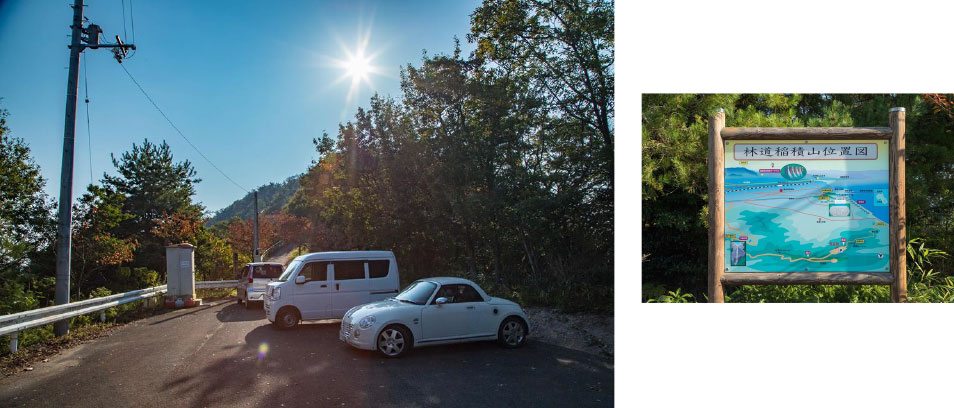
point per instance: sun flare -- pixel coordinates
(357, 65)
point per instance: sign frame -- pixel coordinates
(718, 278)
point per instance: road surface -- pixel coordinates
(221, 354)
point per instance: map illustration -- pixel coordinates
(806, 206)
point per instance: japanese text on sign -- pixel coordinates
(805, 151)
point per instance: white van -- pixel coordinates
(325, 285)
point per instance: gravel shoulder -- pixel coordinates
(591, 333)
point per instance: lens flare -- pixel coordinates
(262, 350)
(358, 64)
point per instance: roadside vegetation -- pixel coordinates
(675, 183)
(39, 342)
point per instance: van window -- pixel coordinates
(378, 269)
(346, 270)
(314, 271)
(266, 271)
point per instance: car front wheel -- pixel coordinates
(512, 332)
(394, 341)
(286, 319)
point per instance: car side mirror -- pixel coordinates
(440, 300)
(299, 280)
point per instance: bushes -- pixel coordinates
(924, 285)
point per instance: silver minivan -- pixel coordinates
(254, 279)
(324, 285)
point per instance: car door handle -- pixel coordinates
(470, 307)
(337, 286)
(324, 286)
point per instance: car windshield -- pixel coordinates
(289, 270)
(417, 293)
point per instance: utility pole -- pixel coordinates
(256, 257)
(78, 43)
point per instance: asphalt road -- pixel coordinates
(223, 355)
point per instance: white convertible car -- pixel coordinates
(434, 311)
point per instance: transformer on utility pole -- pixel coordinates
(77, 45)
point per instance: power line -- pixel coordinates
(132, 19)
(177, 129)
(125, 35)
(89, 135)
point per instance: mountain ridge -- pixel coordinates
(272, 197)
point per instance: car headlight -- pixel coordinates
(276, 293)
(366, 322)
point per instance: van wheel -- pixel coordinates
(287, 319)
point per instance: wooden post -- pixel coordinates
(716, 206)
(898, 241)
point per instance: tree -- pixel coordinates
(27, 227)
(154, 185)
(242, 234)
(292, 229)
(566, 47)
(94, 246)
(24, 210)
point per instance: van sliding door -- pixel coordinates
(351, 286)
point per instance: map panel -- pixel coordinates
(806, 206)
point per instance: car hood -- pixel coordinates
(379, 306)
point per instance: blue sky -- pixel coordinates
(249, 83)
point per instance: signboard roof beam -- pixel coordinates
(832, 133)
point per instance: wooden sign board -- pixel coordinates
(806, 206)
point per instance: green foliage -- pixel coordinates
(27, 227)
(154, 186)
(673, 297)
(924, 285)
(808, 294)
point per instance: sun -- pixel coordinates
(358, 65)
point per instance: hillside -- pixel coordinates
(271, 198)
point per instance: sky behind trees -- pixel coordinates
(250, 84)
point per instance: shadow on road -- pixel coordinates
(310, 366)
(177, 313)
(235, 312)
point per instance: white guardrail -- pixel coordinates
(17, 322)
(216, 284)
